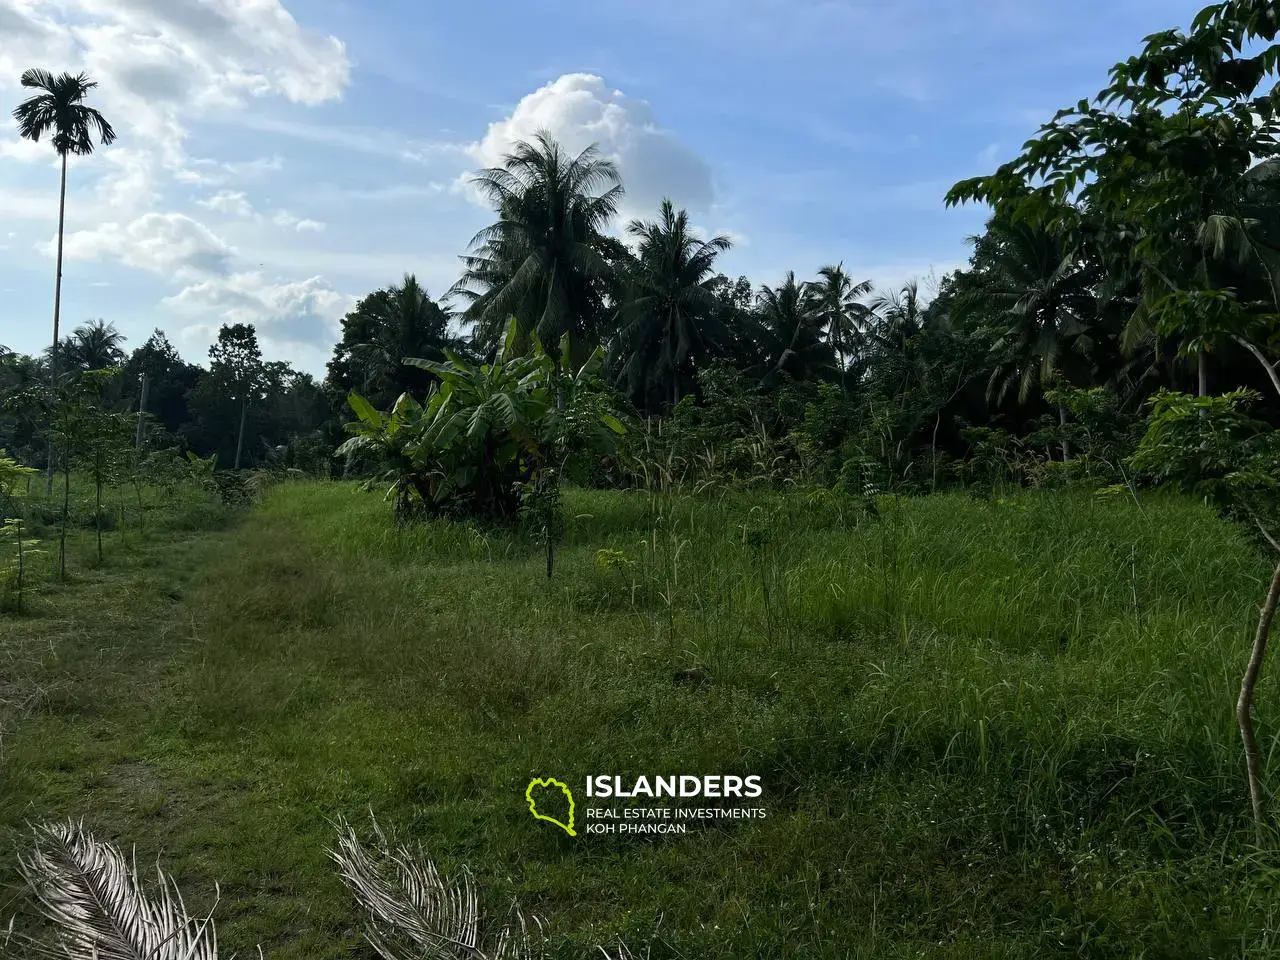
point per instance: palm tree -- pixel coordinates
(837, 301)
(1040, 295)
(95, 345)
(669, 321)
(59, 109)
(900, 314)
(793, 330)
(546, 260)
(405, 322)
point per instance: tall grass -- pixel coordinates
(985, 727)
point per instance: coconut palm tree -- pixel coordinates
(1040, 296)
(900, 315)
(546, 260)
(838, 303)
(95, 345)
(669, 321)
(793, 330)
(405, 322)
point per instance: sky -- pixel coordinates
(279, 159)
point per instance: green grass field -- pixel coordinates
(985, 728)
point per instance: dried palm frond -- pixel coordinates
(415, 913)
(99, 908)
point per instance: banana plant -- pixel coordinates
(485, 433)
(384, 439)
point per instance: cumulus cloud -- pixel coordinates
(27, 151)
(305, 312)
(170, 244)
(161, 62)
(578, 110)
(289, 221)
(231, 202)
(235, 203)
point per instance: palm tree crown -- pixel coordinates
(60, 109)
(669, 321)
(95, 345)
(546, 260)
(1042, 303)
(794, 330)
(837, 301)
(405, 322)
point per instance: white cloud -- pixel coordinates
(25, 151)
(578, 109)
(161, 63)
(303, 312)
(231, 202)
(170, 244)
(288, 221)
(211, 173)
(235, 203)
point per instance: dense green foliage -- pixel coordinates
(487, 435)
(987, 728)
(923, 559)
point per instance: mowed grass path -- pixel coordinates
(985, 729)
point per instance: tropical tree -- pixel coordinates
(1157, 158)
(59, 110)
(160, 381)
(95, 345)
(1037, 292)
(546, 260)
(384, 328)
(669, 321)
(12, 474)
(235, 368)
(486, 433)
(838, 302)
(792, 331)
(897, 316)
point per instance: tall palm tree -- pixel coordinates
(669, 321)
(59, 109)
(546, 260)
(794, 331)
(838, 303)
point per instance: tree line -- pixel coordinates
(1131, 248)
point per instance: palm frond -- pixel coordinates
(99, 908)
(413, 912)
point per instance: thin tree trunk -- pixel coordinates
(1066, 444)
(57, 310)
(936, 423)
(1202, 373)
(1266, 364)
(98, 518)
(244, 407)
(142, 409)
(22, 564)
(66, 511)
(1244, 706)
(844, 378)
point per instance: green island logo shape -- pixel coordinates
(548, 783)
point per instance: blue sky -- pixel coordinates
(279, 158)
